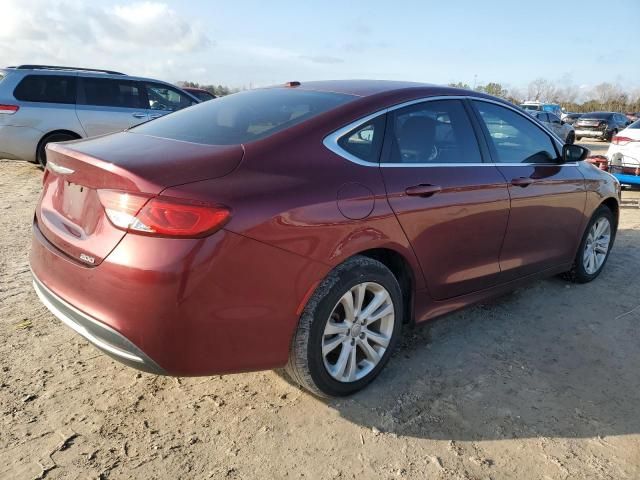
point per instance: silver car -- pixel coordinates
(40, 104)
(557, 126)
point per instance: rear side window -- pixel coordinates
(46, 89)
(243, 117)
(106, 92)
(433, 132)
(365, 141)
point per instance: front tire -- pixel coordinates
(348, 329)
(595, 247)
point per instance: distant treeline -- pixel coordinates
(217, 90)
(604, 96)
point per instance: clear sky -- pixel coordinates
(252, 43)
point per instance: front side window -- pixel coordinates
(107, 92)
(243, 117)
(165, 98)
(514, 138)
(433, 132)
(47, 89)
(365, 141)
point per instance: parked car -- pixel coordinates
(200, 93)
(633, 116)
(571, 118)
(275, 228)
(557, 126)
(624, 154)
(543, 107)
(600, 125)
(40, 104)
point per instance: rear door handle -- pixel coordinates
(522, 182)
(423, 190)
(156, 115)
(139, 115)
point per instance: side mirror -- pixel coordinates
(574, 153)
(562, 122)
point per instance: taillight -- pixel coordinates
(619, 140)
(9, 109)
(162, 216)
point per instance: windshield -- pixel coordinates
(243, 117)
(635, 124)
(3, 74)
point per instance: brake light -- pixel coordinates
(618, 140)
(162, 216)
(9, 109)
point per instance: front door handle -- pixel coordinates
(139, 115)
(156, 115)
(423, 190)
(522, 182)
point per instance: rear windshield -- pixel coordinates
(597, 115)
(243, 117)
(531, 107)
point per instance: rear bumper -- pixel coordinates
(591, 133)
(182, 307)
(100, 335)
(19, 143)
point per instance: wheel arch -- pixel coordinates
(55, 132)
(401, 269)
(612, 204)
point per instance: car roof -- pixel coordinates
(360, 88)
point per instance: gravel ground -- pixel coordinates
(542, 383)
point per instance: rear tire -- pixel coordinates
(41, 153)
(592, 256)
(331, 355)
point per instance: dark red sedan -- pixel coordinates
(302, 225)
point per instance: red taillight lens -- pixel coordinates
(9, 109)
(619, 140)
(162, 216)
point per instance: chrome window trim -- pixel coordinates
(331, 140)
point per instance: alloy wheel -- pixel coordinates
(597, 245)
(358, 332)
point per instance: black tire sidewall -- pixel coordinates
(346, 280)
(41, 156)
(581, 274)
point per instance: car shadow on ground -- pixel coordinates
(553, 360)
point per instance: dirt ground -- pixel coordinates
(543, 383)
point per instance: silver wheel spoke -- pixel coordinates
(331, 345)
(358, 293)
(347, 303)
(369, 351)
(378, 299)
(378, 338)
(353, 366)
(334, 328)
(383, 312)
(341, 364)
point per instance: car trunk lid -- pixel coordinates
(70, 214)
